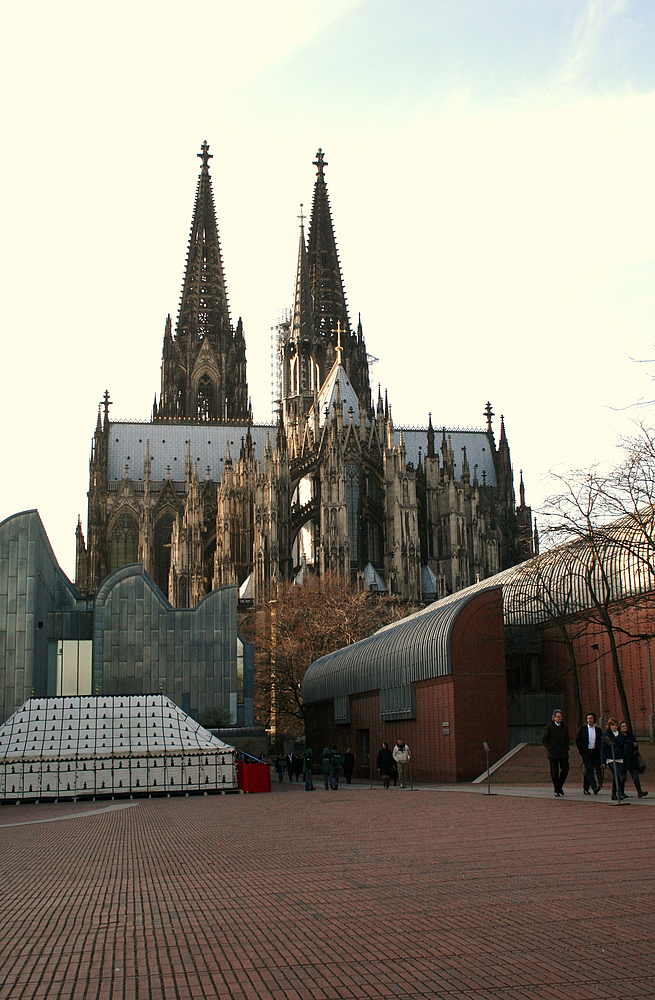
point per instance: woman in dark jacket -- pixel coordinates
(326, 767)
(612, 749)
(630, 758)
(385, 764)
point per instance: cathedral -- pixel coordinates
(203, 496)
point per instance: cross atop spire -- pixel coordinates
(106, 402)
(339, 348)
(301, 216)
(320, 162)
(205, 155)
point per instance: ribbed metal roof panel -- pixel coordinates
(413, 649)
(554, 584)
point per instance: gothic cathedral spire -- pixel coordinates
(327, 292)
(330, 309)
(204, 364)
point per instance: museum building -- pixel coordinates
(492, 662)
(124, 640)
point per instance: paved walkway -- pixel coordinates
(351, 894)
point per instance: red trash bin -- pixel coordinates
(253, 776)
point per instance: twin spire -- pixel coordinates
(204, 361)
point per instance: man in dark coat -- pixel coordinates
(348, 765)
(588, 744)
(555, 738)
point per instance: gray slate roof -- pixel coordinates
(209, 443)
(168, 446)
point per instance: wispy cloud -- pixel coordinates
(599, 23)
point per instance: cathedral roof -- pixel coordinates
(169, 443)
(337, 386)
(476, 442)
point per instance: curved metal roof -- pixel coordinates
(619, 562)
(412, 649)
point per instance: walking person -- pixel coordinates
(555, 738)
(289, 763)
(385, 764)
(335, 768)
(279, 767)
(402, 757)
(588, 744)
(297, 766)
(307, 766)
(612, 750)
(630, 751)
(326, 767)
(348, 765)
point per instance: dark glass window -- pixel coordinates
(352, 504)
(124, 542)
(162, 550)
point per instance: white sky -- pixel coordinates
(491, 169)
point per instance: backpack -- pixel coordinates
(335, 759)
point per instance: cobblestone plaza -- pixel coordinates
(351, 894)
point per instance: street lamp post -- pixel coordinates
(650, 685)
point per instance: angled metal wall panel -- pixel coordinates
(342, 710)
(32, 587)
(191, 651)
(397, 703)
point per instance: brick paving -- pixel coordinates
(349, 894)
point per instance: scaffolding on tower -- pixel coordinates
(279, 331)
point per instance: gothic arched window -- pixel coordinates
(352, 505)
(161, 562)
(205, 398)
(124, 542)
(180, 398)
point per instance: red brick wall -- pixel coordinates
(480, 683)
(636, 618)
(433, 753)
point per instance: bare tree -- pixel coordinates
(296, 627)
(556, 601)
(583, 514)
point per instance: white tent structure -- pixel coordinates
(83, 747)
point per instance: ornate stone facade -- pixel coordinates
(334, 486)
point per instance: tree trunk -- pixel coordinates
(618, 676)
(576, 682)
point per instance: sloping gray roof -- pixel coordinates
(476, 442)
(168, 446)
(327, 397)
(413, 649)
